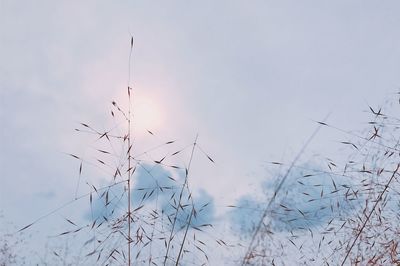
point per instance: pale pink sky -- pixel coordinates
(248, 76)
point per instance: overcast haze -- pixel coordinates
(251, 77)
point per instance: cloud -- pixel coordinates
(106, 204)
(150, 180)
(203, 205)
(155, 183)
(246, 214)
(159, 189)
(310, 197)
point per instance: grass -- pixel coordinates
(319, 213)
(157, 224)
(340, 213)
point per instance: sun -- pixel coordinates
(146, 112)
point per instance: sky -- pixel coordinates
(249, 77)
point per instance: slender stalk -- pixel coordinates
(184, 237)
(129, 191)
(179, 202)
(129, 158)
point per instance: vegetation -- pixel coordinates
(147, 212)
(320, 212)
(337, 213)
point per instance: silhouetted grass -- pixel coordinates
(338, 213)
(154, 225)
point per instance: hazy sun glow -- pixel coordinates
(147, 114)
(146, 111)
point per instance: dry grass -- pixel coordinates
(336, 213)
(154, 225)
(345, 214)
